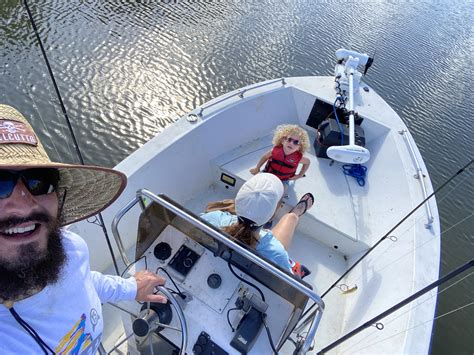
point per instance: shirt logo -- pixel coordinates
(94, 317)
(16, 132)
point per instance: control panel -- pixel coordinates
(224, 315)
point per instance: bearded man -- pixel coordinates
(50, 300)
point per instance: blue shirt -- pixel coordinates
(267, 246)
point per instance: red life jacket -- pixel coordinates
(281, 165)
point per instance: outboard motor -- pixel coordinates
(349, 80)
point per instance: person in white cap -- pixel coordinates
(50, 300)
(255, 204)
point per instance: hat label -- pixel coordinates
(16, 132)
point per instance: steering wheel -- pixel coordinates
(149, 320)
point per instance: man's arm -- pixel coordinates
(140, 287)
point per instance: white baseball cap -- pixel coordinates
(258, 198)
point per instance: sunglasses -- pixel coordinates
(39, 181)
(291, 140)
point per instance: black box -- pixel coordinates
(323, 111)
(329, 135)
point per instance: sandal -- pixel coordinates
(306, 201)
(300, 270)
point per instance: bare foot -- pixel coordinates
(304, 204)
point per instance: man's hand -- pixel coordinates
(146, 283)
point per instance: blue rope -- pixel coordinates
(357, 171)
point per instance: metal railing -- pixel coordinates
(226, 241)
(240, 93)
(420, 176)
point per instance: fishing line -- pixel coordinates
(455, 186)
(443, 233)
(27, 91)
(55, 85)
(245, 154)
(305, 322)
(134, 263)
(458, 223)
(119, 344)
(383, 238)
(399, 305)
(415, 326)
(408, 310)
(417, 220)
(434, 238)
(36, 108)
(63, 108)
(395, 227)
(123, 309)
(403, 233)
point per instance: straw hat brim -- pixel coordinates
(89, 189)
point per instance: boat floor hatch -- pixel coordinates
(200, 266)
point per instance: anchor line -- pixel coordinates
(305, 316)
(63, 108)
(406, 301)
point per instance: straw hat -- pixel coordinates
(258, 198)
(89, 189)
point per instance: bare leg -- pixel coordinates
(285, 229)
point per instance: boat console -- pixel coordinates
(223, 297)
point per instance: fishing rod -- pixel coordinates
(392, 309)
(385, 237)
(63, 108)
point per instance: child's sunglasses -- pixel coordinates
(38, 181)
(291, 140)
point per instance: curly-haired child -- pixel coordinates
(290, 142)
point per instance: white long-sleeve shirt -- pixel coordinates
(68, 314)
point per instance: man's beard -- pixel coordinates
(32, 269)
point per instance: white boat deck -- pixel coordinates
(345, 215)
